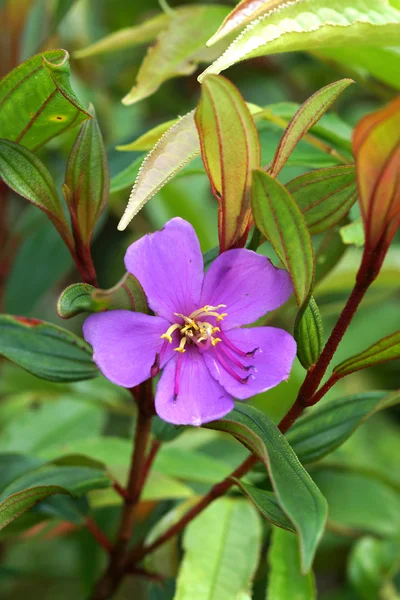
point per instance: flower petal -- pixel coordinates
(169, 266)
(247, 283)
(199, 398)
(125, 344)
(273, 360)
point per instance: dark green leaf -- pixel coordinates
(278, 218)
(87, 178)
(24, 173)
(14, 465)
(82, 297)
(328, 254)
(126, 178)
(386, 349)
(45, 350)
(267, 504)
(326, 427)
(165, 432)
(324, 196)
(309, 334)
(285, 580)
(47, 106)
(296, 493)
(373, 563)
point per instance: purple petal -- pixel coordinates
(197, 399)
(272, 361)
(125, 344)
(247, 283)
(169, 266)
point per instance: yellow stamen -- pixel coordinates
(170, 330)
(181, 347)
(206, 310)
(215, 329)
(190, 322)
(214, 341)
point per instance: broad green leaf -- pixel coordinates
(296, 492)
(87, 178)
(171, 153)
(267, 504)
(31, 488)
(14, 465)
(285, 580)
(308, 114)
(25, 173)
(386, 349)
(165, 432)
(224, 542)
(278, 218)
(45, 350)
(128, 37)
(82, 297)
(353, 233)
(127, 177)
(330, 251)
(231, 150)
(178, 50)
(372, 565)
(327, 426)
(148, 139)
(324, 196)
(41, 89)
(309, 334)
(294, 26)
(190, 465)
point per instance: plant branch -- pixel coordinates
(99, 536)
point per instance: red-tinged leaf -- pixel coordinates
(386, 349)
(245, 12)
(279, 219)
(87, 178)
(324, 196)
(231, 150)
(306, 117)
(376, 145)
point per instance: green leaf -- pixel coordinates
(386, 349)
(41, 89)
(31, 488)
(127, 177)
(172, 152)
(327, 426)
(267, 504)
(279, 219)
(14, 465)
(372, 565)
(309, 334)
(24, 173)
(129, 37)
(308, 115)
(82, 297)
(330, 251)
(178, 50)
(87, 178)
(165, 432)
(225, 538)
(45, 350)
(353, 233)
(294, 26)
(190, 465)
(148, 139)
(297, 494)
(231, 150)
(285, 580)
(324, 196)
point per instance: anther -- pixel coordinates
(181, 347)
(215, 341)
(167, 335)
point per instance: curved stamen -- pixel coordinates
(228, 368)
(228, 343)
(168, 334)
(234, 360)
(177, 376)
(181, 347)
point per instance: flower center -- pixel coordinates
(197, 328)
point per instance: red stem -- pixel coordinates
(99, 536)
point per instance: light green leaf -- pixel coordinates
(41, 89)
(372, 565)
(46, 350)
(324, 196)
(285, 580)
(386, 349)
(308, 115)
(172, 152)
(178, 49)
(267, 504)
(148, 139)
(296, 493)
(353, 233)
(230, 150)
(190, 466)
(305, 24)
(25, 173)
(82, 297)
(129, 37)
(222, 547)
(327, 426)
(309, 334)
(278, 218)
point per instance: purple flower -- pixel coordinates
(196, 336)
